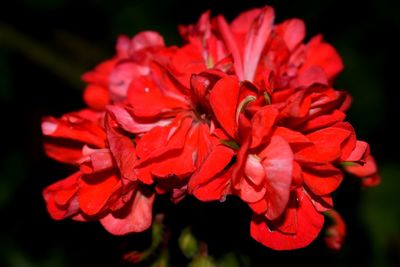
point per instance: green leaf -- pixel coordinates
(229, 260)
(188, 243)
(230, 143)
(203, 261)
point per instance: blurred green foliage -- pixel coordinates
(380, 212)
(45, 45)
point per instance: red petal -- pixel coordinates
(75, 128)
(161, 140)
(262, 123)
(323, 55)
(96, 160)
(136, 216)
(328, 145)
(254, 170)
(95, 191)
(96, 97)
(311, 76)
(249, 192)
(297, 106)
(231, 45)
(216, 161)
(181, 165)
(368, 169)
(322, 180)
(257, 36)
(294, 138)
(309, 224)
(197, 146)
(216, 189)
(373, 180)
(123, 151)
(128, 123)
(63, 151)
(60, 197)
(336, 231)
(122, 76)
(292, 32)
(187, 60)
(242, 23)
(360, 152)
(223, 100)
(278, 165)
(350, 143)
(149, 99)
(100, 75)
(323, 121)
(322, 203)
(146, 39)
(259, 207)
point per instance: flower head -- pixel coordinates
(243, 108)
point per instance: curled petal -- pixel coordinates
(254, 170)
(135, 216)
(60, 197)
(360, 152)
(249, 192)
(368, 173)
(309, 223)
(129, 124)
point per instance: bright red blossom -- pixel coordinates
(244, 109)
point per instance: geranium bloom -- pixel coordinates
(290, 136)
(244, 109)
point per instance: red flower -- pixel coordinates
(244, 109)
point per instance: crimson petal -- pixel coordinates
(223, 100)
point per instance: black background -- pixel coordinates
(46, 45)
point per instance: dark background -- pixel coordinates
(45, 45)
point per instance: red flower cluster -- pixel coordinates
(244, 109)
